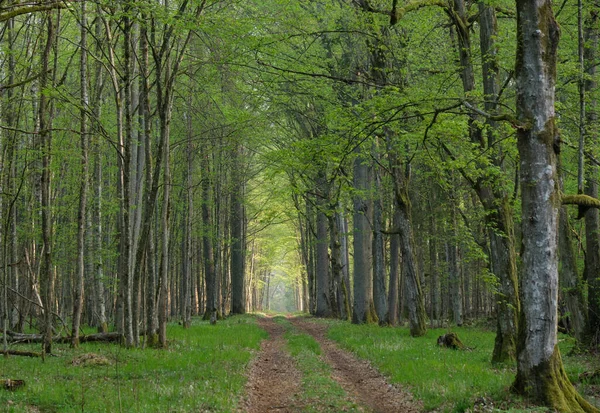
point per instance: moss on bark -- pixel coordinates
(548, 384)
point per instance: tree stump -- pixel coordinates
(8, 384)
(451, 340)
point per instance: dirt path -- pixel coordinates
(360, 380)
(274, 380)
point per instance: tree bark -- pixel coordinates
(393, 295)
(322, 265)
(210, 275)
(592, 216)
(237, 222)
(379, 276)
(413, 294)
(83, 189)
(364, 309)
(540, 372)
(45, 133)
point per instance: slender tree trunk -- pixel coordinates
(589, 122)
(83, 189)
(364, 308)
(379, 293)
(210, 275)
(45, 135)
(540, 372)
(413, 293)
(164, 266)
(324, 307)
(186, 291)
(394, 274)
(570, 282)
(237, 221)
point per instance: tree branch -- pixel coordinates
(19, 9)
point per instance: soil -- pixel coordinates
(274, 381)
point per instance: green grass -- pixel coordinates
(444, 379)
(320, 393)
(202, 370)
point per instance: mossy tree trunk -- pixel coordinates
(540, 373)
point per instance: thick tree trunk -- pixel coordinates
(540, 372)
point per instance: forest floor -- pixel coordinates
(276, 382)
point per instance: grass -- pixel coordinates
(444, 379)
(202, 370)
(320, 393)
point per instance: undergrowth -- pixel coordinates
(203, 369)
(444, 379)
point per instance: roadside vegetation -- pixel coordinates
(203, 369)
(451, 380)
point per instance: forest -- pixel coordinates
(179, 172)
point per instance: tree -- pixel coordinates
(83, 190)
(540, 372)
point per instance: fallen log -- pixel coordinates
(20, 353)
(39, 338)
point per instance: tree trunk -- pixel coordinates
(379, 293)
(394, 274)
(322, 265)
(210, 275)
(540, 373)
(83, 189)
(413, 294)
(237, 222)
(592, 216)
(570, 283)
(454, 281)
(45, 134)
(364, 308)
